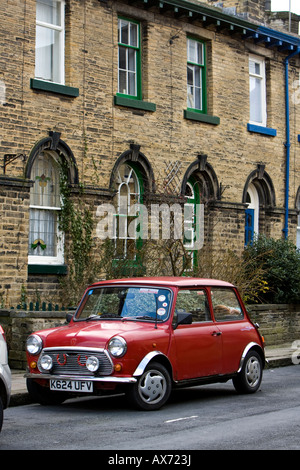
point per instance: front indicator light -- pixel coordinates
(92, 363)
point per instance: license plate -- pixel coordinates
(71, 386)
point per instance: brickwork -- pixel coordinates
(98, 132)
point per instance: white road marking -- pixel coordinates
(180, 419)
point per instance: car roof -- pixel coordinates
(167, 281)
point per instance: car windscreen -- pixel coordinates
(120, 302)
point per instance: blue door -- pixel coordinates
(249, 226)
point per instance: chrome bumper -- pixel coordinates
(115, 380)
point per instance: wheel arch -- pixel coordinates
(156, 356)
(254, 347)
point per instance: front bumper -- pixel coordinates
(114, 380)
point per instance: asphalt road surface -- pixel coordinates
(199, 418)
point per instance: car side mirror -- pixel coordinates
(183, 318)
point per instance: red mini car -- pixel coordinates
(144, 336)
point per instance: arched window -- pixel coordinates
(129, 192)
(259, 195)
(45, 240)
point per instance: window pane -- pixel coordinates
(192, 54)
(225, 305)
(122, 82)
(131, 60)
(122, 58)
(45, 191)
(254, 67)
(131, 84)
(133, 34)
(123, 31)
(49, 11)
(255, 99)
(194, 302)
(42, 235)
(200, 53)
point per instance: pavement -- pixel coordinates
(277, 356)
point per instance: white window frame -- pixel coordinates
(124, 205)
(50, 260)
(60, 74)
(254, 204)
(261, 78)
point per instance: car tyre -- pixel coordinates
(248, 380)
(152, 389)
(43, 395)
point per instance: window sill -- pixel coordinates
(53, 87)
(194, 116)
(132, 103)
(47, 269)
(261, 130)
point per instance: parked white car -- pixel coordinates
(5, 376)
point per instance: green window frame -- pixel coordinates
(196, 76)
(129, 59)
(191, 225)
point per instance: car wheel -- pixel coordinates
(249, 378)
(43, 395)
(1, 414)
(152, 389)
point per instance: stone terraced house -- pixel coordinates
(149, 101)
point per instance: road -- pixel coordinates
(199, 418)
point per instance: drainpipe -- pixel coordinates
(288, 142)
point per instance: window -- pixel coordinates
(194, 302)
(125, 229)
(226, 305)
(49, 48)
(45, 240)
(196, 94)
(129, 68)
(257, 83)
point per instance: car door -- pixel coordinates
(234, 328)
(197, 347)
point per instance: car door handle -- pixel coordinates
(216, 333)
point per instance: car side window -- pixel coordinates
(226, 305)
(193, 301)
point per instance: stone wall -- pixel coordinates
(278, 324)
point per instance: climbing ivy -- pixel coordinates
(76, 222)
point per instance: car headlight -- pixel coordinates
(34, 344)
(92, 363)
(117, 346)
(45, 363)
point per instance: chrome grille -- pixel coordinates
(72, 361)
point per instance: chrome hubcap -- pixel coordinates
(152, 387)
(253, 371)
